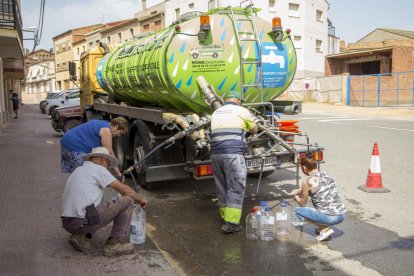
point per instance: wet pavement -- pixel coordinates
(32, 241)
(188, 212)
(183, 225)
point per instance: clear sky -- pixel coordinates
(353, 19)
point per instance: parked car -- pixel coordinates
(70, 97)
(50, 95)
(66, 118)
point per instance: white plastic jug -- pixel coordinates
(137, 228)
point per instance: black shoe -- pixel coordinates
(231, 227)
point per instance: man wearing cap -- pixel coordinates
(229, 124)
(84, 211)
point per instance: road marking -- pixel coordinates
(345, 119)
(392, 128)
(337, 123)
(319, 118)
(334, 259)
(169, 257)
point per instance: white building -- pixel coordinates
(306, 18)
(40, 76)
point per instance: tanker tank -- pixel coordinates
(161, 68)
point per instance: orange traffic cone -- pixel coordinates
(374, 179)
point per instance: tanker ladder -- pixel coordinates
(243, 41)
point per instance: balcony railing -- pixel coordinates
(10, 16)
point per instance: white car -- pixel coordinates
(70, 97)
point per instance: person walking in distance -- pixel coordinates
(322, 189)
(83, 210)
(229, 124)
(15, 101)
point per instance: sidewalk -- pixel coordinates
(32, 241)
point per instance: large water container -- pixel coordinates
(161, 68)
(283, 219)
(267, 225)
(253, 225)
(296, 221)
(137, 227)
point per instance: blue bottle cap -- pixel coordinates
(283, 204)
(263, 203)
(267, 209)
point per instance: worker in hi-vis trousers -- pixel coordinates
(229, 124)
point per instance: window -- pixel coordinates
(211, 5)
(318, 46)
(119, 37)
(90, 44)
(131, 32)
(73, 95)
(293, 10)
(157, 23)
(365, 68)
(83, 48)
(78, 51)
(272, 5)
(146, 27)
(297, 41)
(191, 6)
(84, 72)
(109, 39)
(319, 15)
(177, 14)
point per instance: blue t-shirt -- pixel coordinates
(84, 137)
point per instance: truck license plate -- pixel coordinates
(253, 163)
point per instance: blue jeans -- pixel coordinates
(316, 216)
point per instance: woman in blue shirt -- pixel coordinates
(80, 140)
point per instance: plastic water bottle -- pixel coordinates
(296, 221)
(252, 225)
(137, 227)
(267, 225)
(283, 219)
(261, 212)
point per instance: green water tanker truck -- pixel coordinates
(168, 83)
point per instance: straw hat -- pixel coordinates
(102, 152)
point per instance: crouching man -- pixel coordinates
(84, 211)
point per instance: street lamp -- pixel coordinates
(34, 31)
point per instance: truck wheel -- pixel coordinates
(119, 150)
(141, 148)
(257, 175)
(70, 124)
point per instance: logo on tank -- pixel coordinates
(274, 65)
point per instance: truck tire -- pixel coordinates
(141, 148)
(257, 175)
(71, 124)
(120, 147)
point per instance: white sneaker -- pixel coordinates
(325, 235)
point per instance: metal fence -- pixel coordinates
(391, 89)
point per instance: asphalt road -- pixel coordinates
(377, 237)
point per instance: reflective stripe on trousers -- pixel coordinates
(230, 174)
